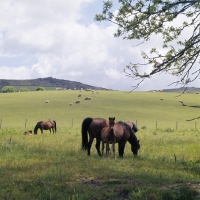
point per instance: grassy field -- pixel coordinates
(47, 166)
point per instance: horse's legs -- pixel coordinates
(113, 147)
(121, 149)
(98, 146)
(107, 149)
(103, 147)
(41, 130)
(90, 144)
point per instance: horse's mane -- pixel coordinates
(134, 127)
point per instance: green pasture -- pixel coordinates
(144, 108)
(52, 166)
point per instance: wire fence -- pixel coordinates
(158, 124)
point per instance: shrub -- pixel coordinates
(24, 89)
(8, 89)
(40, 88)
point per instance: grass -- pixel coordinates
(47, 166)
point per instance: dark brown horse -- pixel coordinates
(108, 136)
(93, 127)
(49, 125)
(124, 133)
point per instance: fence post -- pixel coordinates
(156, 125)
(72, 123)
(0, 123)
(25, 122)
(176, 125)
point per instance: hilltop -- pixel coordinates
(182, 89)
(48, 82)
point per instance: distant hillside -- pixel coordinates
(181, 89)
(48, 82)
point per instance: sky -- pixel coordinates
(60, 39)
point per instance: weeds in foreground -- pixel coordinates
(53, 167)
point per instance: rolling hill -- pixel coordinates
(48, 82)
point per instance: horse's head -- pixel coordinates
(135, 148)
(35, 130)
(111, 122)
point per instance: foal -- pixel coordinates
(108, 136)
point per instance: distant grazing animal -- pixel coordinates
(108, 136)
(29, 132)
(93, 127)
(88, 98)
(79, 95)
(77, 101)
(49, 125)
(71, 104)
(47, 101)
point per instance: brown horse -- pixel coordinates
(108, 136)
(49, 125)
(93, 127)
(124, 133)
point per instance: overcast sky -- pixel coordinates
(59, 38)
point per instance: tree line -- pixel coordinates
(10, 89)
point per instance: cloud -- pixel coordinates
(59, 38)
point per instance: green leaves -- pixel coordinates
(8, 89)
(141, 19)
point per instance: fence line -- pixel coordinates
(136, 122)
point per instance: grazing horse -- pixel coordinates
(124, 133)
(49, 125)
(93, 127)
(108, 136)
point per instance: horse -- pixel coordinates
(108, 136)
(124, 133)
(93, 127)
(49, 125)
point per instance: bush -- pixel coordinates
(24, 89)
(8, 89)
(40, 88)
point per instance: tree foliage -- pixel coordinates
(8, 89)
(24, 89)
(140, 19)
(40, 88)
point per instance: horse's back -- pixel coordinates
(121, 133)
(97, 125)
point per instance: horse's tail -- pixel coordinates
(55, 125)
(84, 131)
